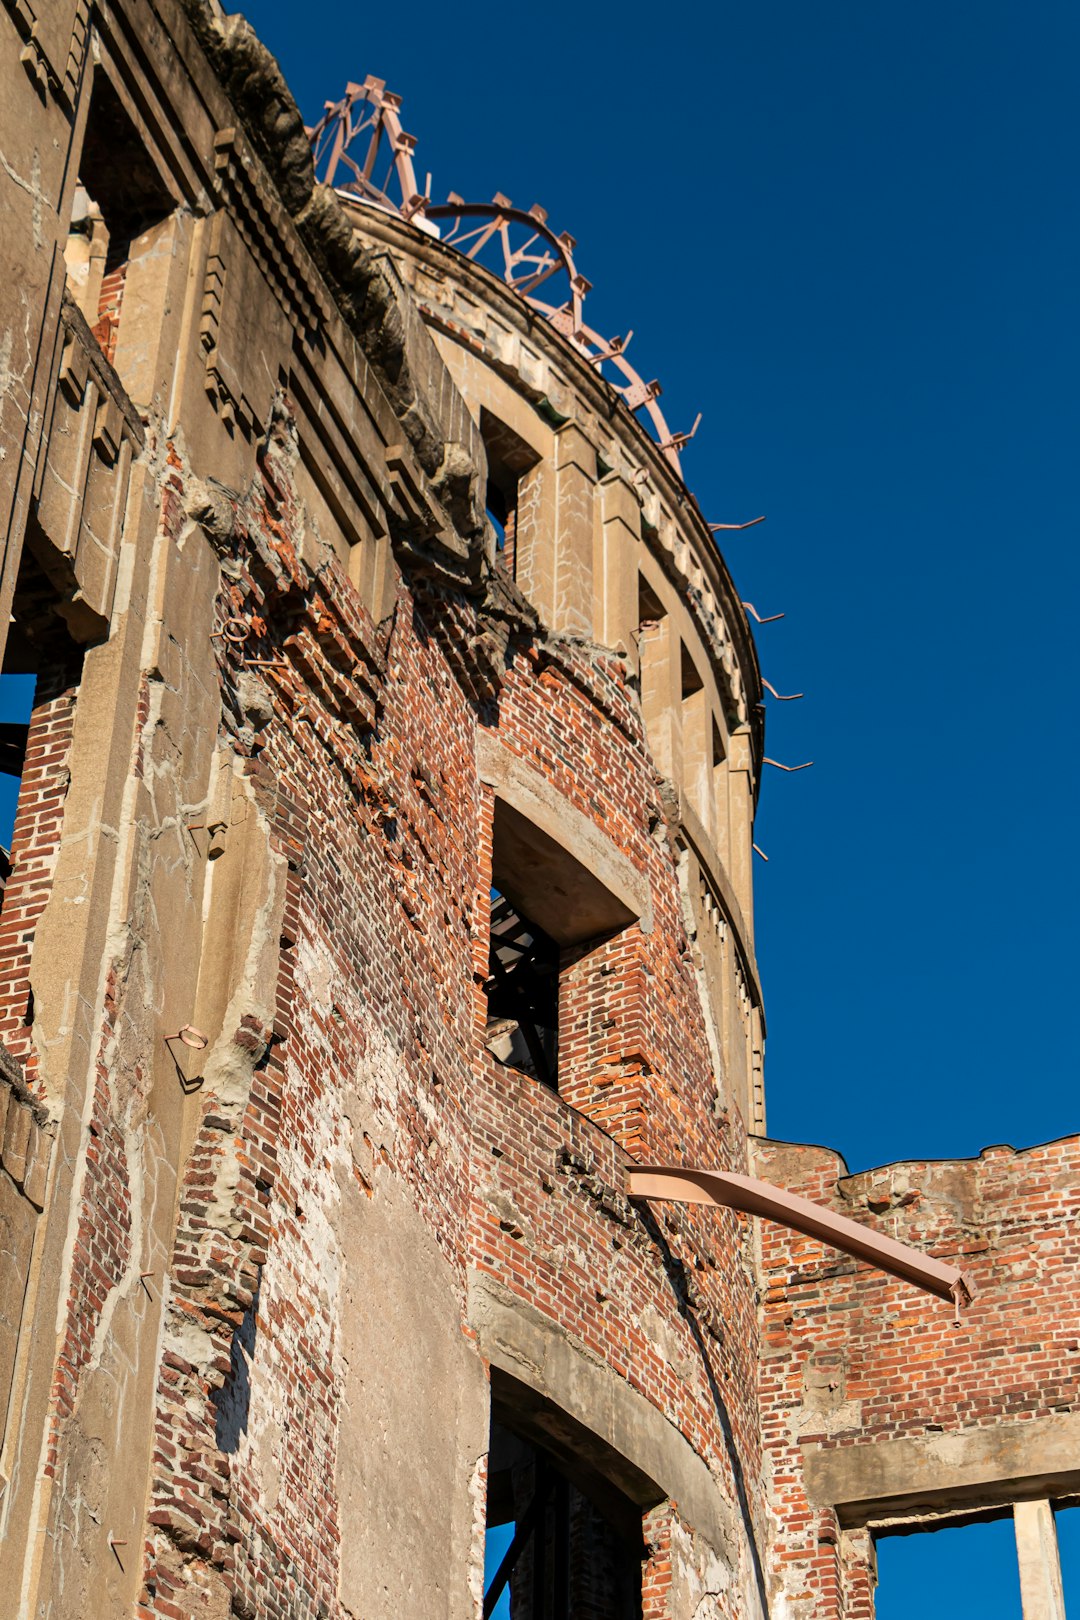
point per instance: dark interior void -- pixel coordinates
(523, 994)
(691, 681)
(546, 907)
(650, 608)
(118, 174)
(574, 1549)
(509, 458)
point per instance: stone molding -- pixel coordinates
(660, 1463)
(673, 527)
(912, 1476)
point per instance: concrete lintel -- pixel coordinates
(529, 793)
(1005, 1462)
(657, 1462)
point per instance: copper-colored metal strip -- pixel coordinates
(724, 1189)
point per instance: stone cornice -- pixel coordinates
(681, 540)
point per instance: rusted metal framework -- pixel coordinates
(361, 150)
(726, 1190)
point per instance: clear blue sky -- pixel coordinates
(848, 235)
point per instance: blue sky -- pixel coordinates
(847, 235)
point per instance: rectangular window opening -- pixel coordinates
(548, 909)
(954, 1568)
(119, 197)
(509, 458)
(650, 608)
(692, 682)
(40, 660)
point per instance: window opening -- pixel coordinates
(547, 909)
(118, 198)
(955, 1570)
(16, 703)
(650, 608)
(691, 680)
(509, 458)
(557, 1548)
(40, 659)
(523, 994)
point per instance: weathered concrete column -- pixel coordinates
(741, 819)
(615, 566)
(575, 473)
(42, 49)
(1040, 1567)
(534, 542)
(696, 754)
(660, 694)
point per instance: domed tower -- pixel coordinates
(617, 1011)
(593, 528)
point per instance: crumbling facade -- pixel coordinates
(380, 889)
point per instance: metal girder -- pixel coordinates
(361, 149)
(723, 1189)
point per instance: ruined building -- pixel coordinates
(380, 891)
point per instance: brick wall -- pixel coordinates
(107, 326)
(35, 844)
(852, 1358)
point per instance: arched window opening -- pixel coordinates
(563, 1541)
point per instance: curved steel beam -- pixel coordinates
(366, 121)
(723, 1189)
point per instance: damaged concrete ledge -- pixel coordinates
(25, 1133)
(638, 1449)
(603, 873)
(1007, 1462)
(369, 301)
